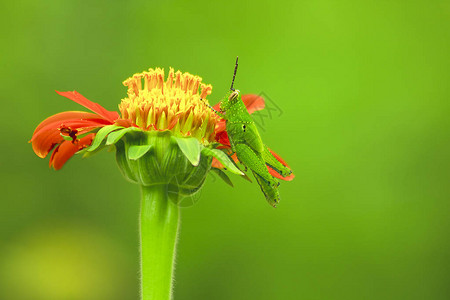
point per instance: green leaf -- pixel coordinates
(191, 148)
(115, 136)
(137, 151)
(223, 176)
(224, 159)
(100, 136)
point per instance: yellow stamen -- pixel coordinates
(173, 104)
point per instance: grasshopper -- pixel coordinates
(246, 142)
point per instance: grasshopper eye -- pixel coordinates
(234, 95)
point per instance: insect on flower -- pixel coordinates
(244, 141)
(158, 107)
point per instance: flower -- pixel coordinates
(158, 105)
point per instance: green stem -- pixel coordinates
(159, 228)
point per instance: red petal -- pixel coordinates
(124, 123)
(47, 134)
(63, 116)
(234, 157)
(45, 142)
(253, 103)
(217, 106)
(274, 173)
(95, 107)
(74, 123)
(220, 126)
(216, 164)
(222, 138)
(67, 149)
(78, 124)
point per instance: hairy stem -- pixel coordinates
(158, 229)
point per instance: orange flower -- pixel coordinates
(252, 103)
(152, 104)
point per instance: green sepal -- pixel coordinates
(115, 136)
(164, 163)
(223, 159)
(87, 153)
(190, 147)
(124, 167)
(223, 176)
(100, 136)
(245, 176)
(137, 151)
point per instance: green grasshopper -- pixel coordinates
(246, 142)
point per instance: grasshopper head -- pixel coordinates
(229, 100)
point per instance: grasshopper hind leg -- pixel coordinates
(255, 162)
(273, 163)
(271, 193)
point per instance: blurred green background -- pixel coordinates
(363, 88)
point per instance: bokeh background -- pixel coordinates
(363, 94)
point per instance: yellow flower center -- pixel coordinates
(174, 104)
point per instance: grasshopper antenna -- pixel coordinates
(234, 75)
(220, 114)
